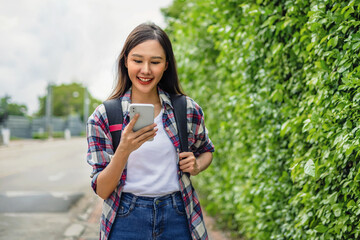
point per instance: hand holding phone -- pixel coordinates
(146, 112)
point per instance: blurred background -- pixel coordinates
(57, 64)
(58, 60)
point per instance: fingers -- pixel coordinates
(184, 163)
(187, 159)
(133, 121)
(131, 140)
(146, 136)
(130, 126)
(189, 166)
(188, 163)
(183, 155)
(146, 129)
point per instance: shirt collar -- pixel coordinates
(164, 98)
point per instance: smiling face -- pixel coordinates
(146, 63)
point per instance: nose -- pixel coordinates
(146, 68)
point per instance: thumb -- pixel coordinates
(133, 121)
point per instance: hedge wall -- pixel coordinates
(279, 82)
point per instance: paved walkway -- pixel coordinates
(81, 222)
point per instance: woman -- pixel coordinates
(146, 195)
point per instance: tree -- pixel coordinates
(67, 99)
(9, 108)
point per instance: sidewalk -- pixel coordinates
(86, 226)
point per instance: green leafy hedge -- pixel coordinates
(279, 82)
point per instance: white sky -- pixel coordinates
(65, 40)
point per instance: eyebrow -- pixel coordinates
(138, 55)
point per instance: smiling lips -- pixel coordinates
(145, 81)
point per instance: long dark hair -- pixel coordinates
(147, 31)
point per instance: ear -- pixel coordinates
(166, 66)
(125, 61)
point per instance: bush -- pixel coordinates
(41, 136)
(279, 82)
(58, 134)
(45, 135)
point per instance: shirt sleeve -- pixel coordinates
(198, 138)
(99, 140)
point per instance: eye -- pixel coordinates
(155, 62)
(137, 61)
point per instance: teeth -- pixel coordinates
(145, 79)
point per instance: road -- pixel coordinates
(45, 192)
(40, 181)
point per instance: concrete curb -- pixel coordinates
(74, 230)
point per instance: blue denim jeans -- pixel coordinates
(148, 218)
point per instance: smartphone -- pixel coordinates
(146, 117)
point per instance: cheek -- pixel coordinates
(132, 69)
(161, 70)
(132, 75)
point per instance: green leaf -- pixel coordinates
(310, 46)
(325, 38)
(348, 124)
(343, 87)
(356, 97)
(277, 95)
(321, 228)
(309, 168)
(347, 14)
(356, 46)
(344, 67)
(333, 41)
(324, 66)
(277, 48)
(350, 150)
(337, 212)
(350, 204)
(284, 128)
(270, 21)
(344, 9)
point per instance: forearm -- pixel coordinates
(109, 178)
(204, 160)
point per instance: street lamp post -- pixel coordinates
(48, 111)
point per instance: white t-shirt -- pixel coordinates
(152, 168)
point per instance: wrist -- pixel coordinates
(122, 151)
(197, 168)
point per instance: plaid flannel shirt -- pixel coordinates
(100, 152)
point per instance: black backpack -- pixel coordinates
(115, 117)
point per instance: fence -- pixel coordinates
(22, 127)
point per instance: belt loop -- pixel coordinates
(133, 201)
(173, 196)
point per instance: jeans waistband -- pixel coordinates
(151, 200)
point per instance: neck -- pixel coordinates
(152, 97)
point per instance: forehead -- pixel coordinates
(148, 48)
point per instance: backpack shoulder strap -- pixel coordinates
(179, 104)
(115, 117)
